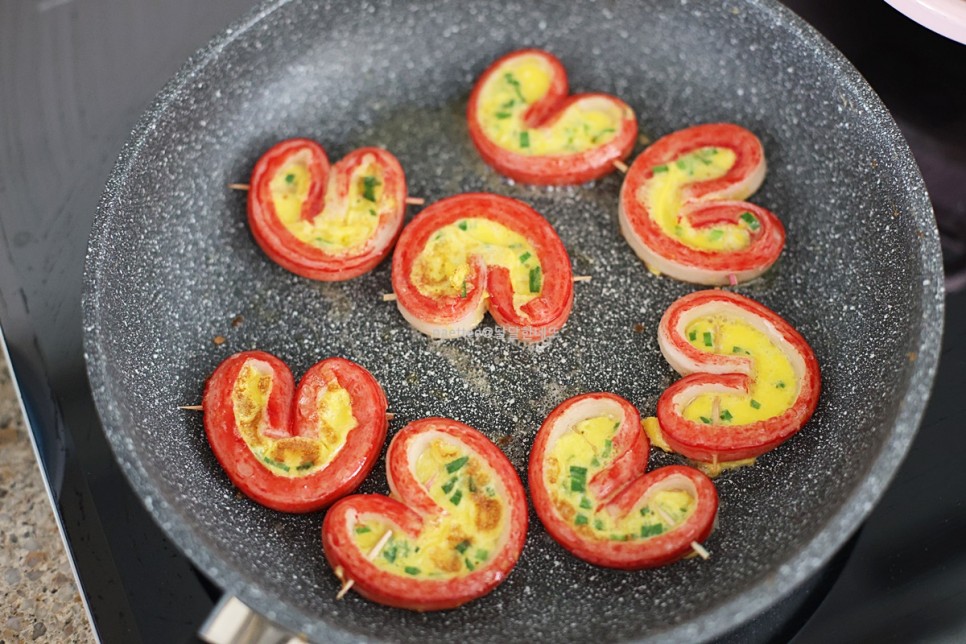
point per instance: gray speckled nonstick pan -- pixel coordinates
(172, 264)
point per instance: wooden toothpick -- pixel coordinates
(700, 550)
(389, 414)
(376, 549)
(621, 166)
(412, 201)
(391, 297)
(732, 279)
(664, 515)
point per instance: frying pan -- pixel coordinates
(171, 265)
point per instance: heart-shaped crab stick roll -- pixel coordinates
(526, 125)
(326, 223)
(451, 530)
(294, 450)
(683, 212)
(472, 253)
(751, 381)
(589, 487)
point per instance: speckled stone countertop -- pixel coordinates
(40, 599)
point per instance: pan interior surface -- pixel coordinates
(172, 265)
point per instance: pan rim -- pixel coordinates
(737, 610)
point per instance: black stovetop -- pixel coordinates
(74, 76)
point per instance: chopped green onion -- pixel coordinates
(452, 466)
(463, 545)
(580, 520)
(751, 220)
(598, 524)
(681, 164)
(524, 139)
(448, 486)
(471, 484)
(659, 168)
(516, 85)
(692, 336)
(274, 463)
(462, 225)
(755, 404)
(372, 212)
(609, 444)
(463, 294)
(524, 257)
(535, 279)
(585, 503)
(578, 478)
(469, 564)
(645, 511)
(412, 570)
(481, 555)
(737, 349)
(708, 342)
(510, 103)
(716, 234)
(290, 178)
(305, 466)
(456, 498)
(780, 384)
(651, 530)
(600, 135)
(502, 115)
(362, 529)
(369, 185)
(725, 415)
(706, 421)
(389, 554)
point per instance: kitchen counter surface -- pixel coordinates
(40, 601)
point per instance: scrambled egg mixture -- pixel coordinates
(774, 385)
(575, 458)
(517, 85)
(291, 455)
(443, 268)
(463, 536)
(663, 196)
(341, 227)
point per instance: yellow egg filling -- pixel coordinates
(443, 268)
(466, 535)
(343, 226)
(663, 196)
(774, 385)
(291, 455)
(520, 83)
(575, 458)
